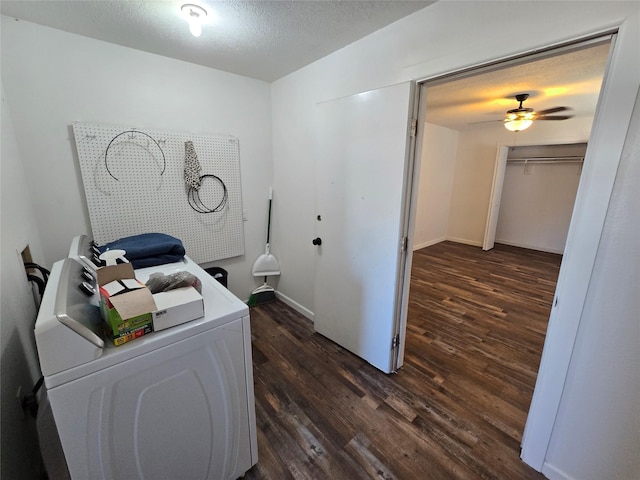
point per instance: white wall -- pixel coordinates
(437, 165)
(53, 79)
(474, 168)
(597, 433)
(423, 45)
(536, 207)
(19, 362)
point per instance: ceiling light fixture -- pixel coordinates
(519, 118)
(195, 15)
(517, 122)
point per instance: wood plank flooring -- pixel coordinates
(455, 410)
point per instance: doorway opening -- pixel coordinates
(461, 128)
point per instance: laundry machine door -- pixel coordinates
(178, 412)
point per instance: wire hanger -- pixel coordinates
(131, 137)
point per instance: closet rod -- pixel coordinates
(548, 160)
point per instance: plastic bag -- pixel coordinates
(159, 282)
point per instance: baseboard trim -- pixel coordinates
(473, 243)
(429, 243)
(554, 473)
(530, 247)
(296, 306)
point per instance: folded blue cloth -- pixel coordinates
(148, 249)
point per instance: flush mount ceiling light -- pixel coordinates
(195, 15)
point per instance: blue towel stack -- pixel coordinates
(148, 249)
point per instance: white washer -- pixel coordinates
(172, 404)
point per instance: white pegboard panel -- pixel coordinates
(134, 183)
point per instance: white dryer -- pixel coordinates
(169, 405)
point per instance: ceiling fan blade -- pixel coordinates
(552, 110)
(554, 117)
(485, 121)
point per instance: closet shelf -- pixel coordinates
(545, 160)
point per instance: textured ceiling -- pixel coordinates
(571, 79)
(268, 39)
(264, 39)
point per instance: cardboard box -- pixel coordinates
(177, 306)
(126, 304)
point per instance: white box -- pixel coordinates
(177, 306)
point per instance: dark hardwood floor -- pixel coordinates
(455, 410)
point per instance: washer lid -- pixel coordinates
(220, 307)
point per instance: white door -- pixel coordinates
(496, 195)
(362, 179)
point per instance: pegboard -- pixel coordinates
(134, 183)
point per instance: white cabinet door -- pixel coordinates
(362, 158)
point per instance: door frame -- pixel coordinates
(606, 142)
(613, 114)
(410, 196)
(499, 170)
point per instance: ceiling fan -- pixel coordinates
(521, 118)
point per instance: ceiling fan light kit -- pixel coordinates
(518, 122)
(522, 118)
